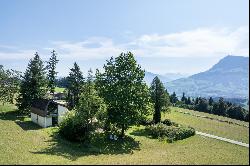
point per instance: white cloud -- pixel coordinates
(201, 42)
(206, 42)
(17, 55)
(93, 48)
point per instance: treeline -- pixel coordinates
(112, 100)
(220, 107)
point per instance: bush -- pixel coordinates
(148, 122)
(71, 128)
(168, 122)
(171, 133)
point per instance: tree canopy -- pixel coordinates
(124, 91)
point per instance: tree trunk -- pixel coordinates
(123, 130)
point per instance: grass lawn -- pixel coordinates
(23, 142)
(223, 129)
(211, 115)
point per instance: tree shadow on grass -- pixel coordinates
(141, 132)
(100, 144)
(19, 120)
(27, 125)
(12, 115)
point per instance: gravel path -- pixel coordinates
(223, 139)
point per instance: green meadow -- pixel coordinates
(23, 142)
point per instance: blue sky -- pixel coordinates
(185, 36)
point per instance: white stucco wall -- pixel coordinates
(41, 121)
(61, 112)
(48, 121)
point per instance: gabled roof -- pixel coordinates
(41, 104)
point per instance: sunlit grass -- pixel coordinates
(23, 142)
(223, 129)
(58, 89)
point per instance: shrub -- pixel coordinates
(71, 128)
(168, 122)
(171, 133)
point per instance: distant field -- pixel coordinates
(23, 142)
(57, 89)
(223, 129)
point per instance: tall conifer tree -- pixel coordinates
(33, 85)
(159, 97)
(51, 72)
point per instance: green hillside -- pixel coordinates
(23, 142)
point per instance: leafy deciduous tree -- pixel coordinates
(90, 105)
(124, 91)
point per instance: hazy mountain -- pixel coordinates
(228, 78)
(149, 76)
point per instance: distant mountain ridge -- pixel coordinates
(149, 76)
(228, 78)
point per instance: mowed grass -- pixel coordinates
(217, 117)
(222, 129)
(23, 142)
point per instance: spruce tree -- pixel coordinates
(75, 83)
(211, 101)
(173, 98)
(51, 72)
(33, 85)
(183, 99)
(188, 101)
(220, 107)
(159, 97)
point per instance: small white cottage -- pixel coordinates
(45, 112)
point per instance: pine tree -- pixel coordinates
(220, 107)
(75, 83)
(33, 85)
(188, 101)
(202, 105)
(211, 101)
(51, 72)
(159, 97)
(173, 98)
(196, 101)
(183, 99)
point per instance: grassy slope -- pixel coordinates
(222, 129)
(22, 142)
